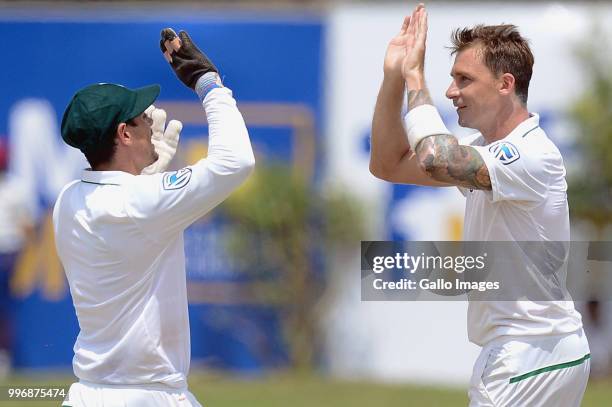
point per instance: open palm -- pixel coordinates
(415, 38)
(396, 52)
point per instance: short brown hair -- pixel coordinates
(504, 50)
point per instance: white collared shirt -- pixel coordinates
(120, 240)
(528, 202)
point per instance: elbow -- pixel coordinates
(373, 169)
(245, 167)
(234, 168)
(378, 171)
(249, 165)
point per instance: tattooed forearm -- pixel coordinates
(443, 159)
(418, 97)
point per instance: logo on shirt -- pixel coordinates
(177, 179)
(505, 152)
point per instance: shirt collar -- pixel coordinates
(525, 127)
(105, 177)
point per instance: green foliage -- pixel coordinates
(283, 226)
(590, 188)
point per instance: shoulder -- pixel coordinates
(149, 194)
(60, 199)
(536, 145)
(143, 189)
(475, 139)
(66, 190)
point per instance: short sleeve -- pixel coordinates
(517, 173)
(469, 140)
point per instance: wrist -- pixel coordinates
(421, 122)
(393, 74)
(393, 84)
(415, 80)
(394, 80)
(206, 83)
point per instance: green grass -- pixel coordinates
(307, 391)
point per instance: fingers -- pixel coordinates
(169, 43)
(149, 110)
(174, 126)
(172, 133)
(417, 27)
(168, 34)
(421, 26)
(159, 122)
(173, 46)
(414, 21)
(424, 28)
(405, 25)
(185, 38)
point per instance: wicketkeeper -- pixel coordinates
(119, 230)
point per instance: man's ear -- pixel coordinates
(123, 134)
(507, 84)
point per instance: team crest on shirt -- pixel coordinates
(177, 179)
(505, 152)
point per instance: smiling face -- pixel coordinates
(474, 90)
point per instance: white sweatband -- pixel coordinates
(421, 122)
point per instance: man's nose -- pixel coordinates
(453, 91)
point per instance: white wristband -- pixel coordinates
(421, 122)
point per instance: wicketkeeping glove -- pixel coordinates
(186, 59)
(165, 142)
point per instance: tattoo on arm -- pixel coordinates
(445, 160)
(418, 97)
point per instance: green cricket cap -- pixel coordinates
(96, 110)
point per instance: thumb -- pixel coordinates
(159, 121)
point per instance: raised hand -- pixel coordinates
(396, 52)
(413, 64)
(164, 139)
(186, 59)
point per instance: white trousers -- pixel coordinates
(83, 394)
(547, 371)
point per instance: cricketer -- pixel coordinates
(119, 230)
(534, 353)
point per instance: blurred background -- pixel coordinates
(273, 273)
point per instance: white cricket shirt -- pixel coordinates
(120, 240)
(528, 202)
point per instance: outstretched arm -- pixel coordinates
(440, 156)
